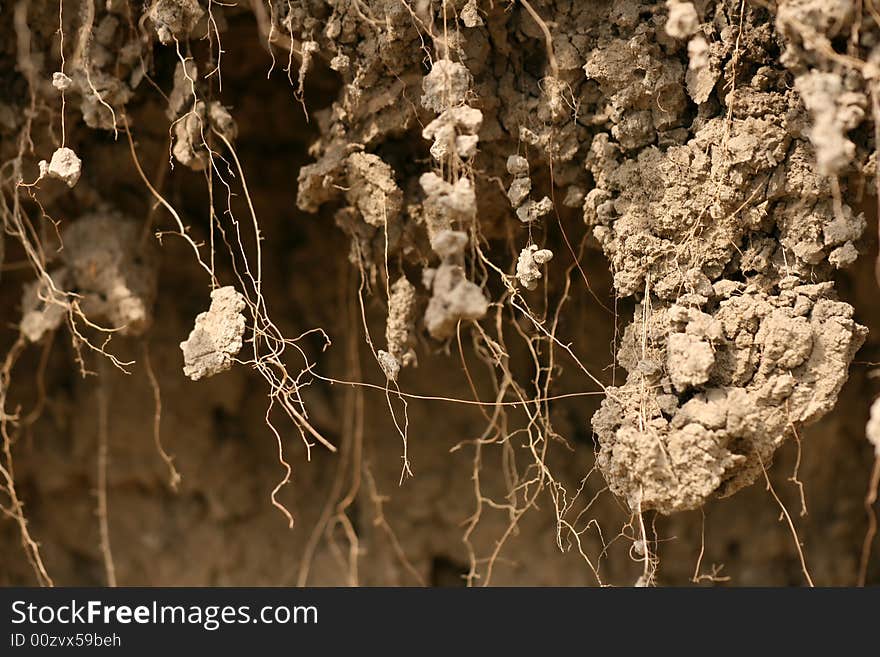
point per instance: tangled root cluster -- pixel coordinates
(715, 152)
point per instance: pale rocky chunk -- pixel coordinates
(528, 265)
(189, 147)
(113, 271)
(222, 121)
(703, 70)
(689, 360)
(683, 20)
(533, 210)
(454, 299)
(834, 111)
(340, 63)
(44, 309)
(518, 165)
(449, 243)
(454, 201)
(519, 191)
(843, 256)
(454, 130)
(632, 80)
(470, 14)
(181, 99)
(389, 364)
(400, 328)
(446, 85)
(174, 19)
(372, 189)
(732, 384)
(190, 130)
(217, 336)
(713, 225)
(61, 81)
(64, 166)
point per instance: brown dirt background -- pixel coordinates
(220, 527)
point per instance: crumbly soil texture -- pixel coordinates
(439, 292)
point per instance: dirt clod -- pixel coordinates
(61, 81)
(683, 20)
(64, 166)
(43, 308)
(453, 299)
(216, 337)
(373, 190)
(400, 328)
(174, 19)
(113, 272)
(445, 86)
(528, 266)
(533, 210)
(619, 238)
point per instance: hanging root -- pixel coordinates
(13, 507)
(102, 511)
(173, 474)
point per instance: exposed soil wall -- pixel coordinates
(382, 292)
